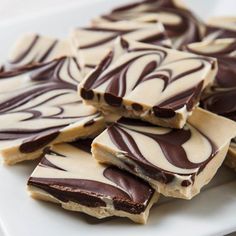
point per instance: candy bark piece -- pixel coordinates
(177, 163)
(95, 42)
(181, 25)
(221, 97)
(220, 27)
(35, 48)
(70, 176)
(39, 106)
(152, 83)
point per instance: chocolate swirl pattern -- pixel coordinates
(35, 48)
(39, 106)
(169, 159)
(220, 27)
(220, 101)
(95, 42)
(88, 185)
(224, 50)
(221, 97)
(181, 26)
(172, 82)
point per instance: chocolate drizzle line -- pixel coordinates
(30, 48)
(27, 51)
(46, 163)
(47, 53)
(155, 39)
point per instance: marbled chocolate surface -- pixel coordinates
(169, 159)
(95, 42)
(69, 173)
(221, 97)
(181, 25)
(34, 48)
(38, 101)
(149, 79)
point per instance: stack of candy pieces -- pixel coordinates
(142, 102)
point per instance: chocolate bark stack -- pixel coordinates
(113, 111)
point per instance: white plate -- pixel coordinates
(210, 213)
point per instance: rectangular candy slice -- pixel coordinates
(39, 106)
(221, 97)
(95, 42)
(152, 83)
(69, 175)
(181, 25)
(176, 162)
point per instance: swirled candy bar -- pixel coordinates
(39, 106)
(220, 27)
(181, 26)
(69, 175)
(152, 83)
(221, 97)
(95, 42)
(176, 162)
(34, 48)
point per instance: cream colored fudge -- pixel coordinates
(176, 162)
(152, 83)
(40, 106)
(95, 42)
(69, 175)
